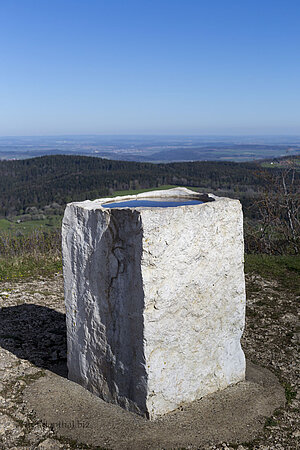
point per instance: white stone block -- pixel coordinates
(155, 300)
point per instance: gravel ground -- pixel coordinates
(33, 338)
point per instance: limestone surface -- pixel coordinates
(155, 300)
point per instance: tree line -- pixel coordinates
(62, 179)
(270, 196)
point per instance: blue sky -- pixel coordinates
(149, 67)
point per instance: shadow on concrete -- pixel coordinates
(35, 333)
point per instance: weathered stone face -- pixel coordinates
(155, 300)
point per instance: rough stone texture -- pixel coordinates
(155, 300)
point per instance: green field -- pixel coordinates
(284, 164)
(139, 191)
(12, 226)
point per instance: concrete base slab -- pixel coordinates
(235, 415)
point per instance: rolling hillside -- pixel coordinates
(43, 180)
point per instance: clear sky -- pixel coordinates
(149, 67)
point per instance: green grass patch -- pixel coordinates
(289, 393)
(284, 269)
(5, 225)
(29, 266)
(139, 191)
(28, 226)
(294, 162)
(270, 422)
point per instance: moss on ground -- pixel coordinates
(283, 269)
(29, 266)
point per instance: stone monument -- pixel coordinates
(155, 297)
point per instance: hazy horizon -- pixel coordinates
(152, 148)
(185, 135)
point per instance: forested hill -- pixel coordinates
(61, 179)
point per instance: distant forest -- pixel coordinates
(62, 179)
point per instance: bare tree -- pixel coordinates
(277, 230)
